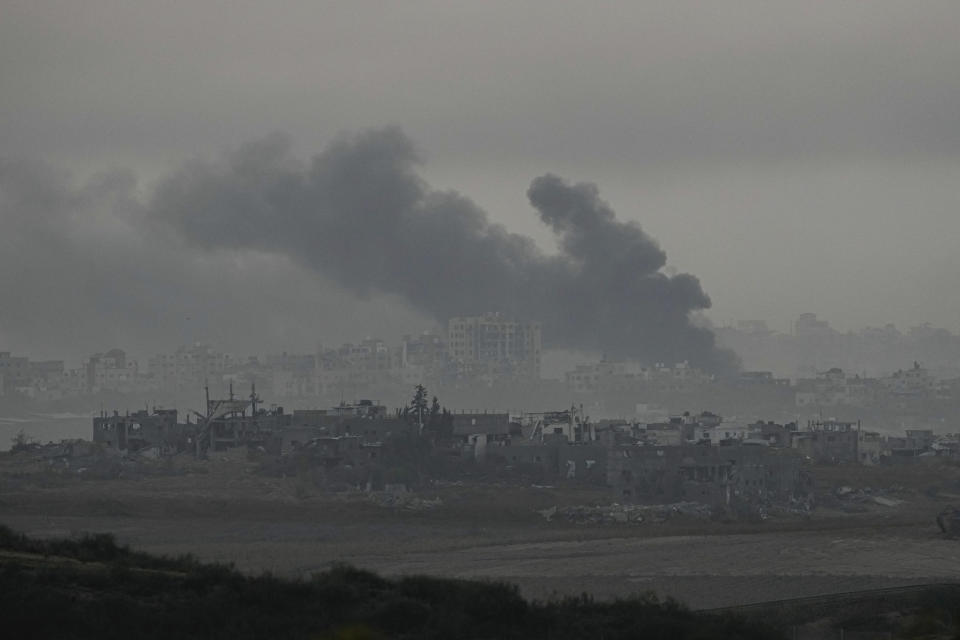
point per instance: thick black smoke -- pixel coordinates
(83, 268)
(360, 214)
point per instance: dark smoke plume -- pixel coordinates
(360, 214)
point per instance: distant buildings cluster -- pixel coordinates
(614, 376)
(35, 378)
(701, 458)
(484, 350)
(833, 388)
(476, 349)
(812, 345)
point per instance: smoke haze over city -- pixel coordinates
(361, 215)
(786, 157)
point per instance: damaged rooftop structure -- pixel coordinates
(143, 430)
(558, 446)
(645, 464)
(235, 422)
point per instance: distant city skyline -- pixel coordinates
(395, 337)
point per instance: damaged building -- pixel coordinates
(335, 451)
(562, 446)
(720, 476)
(829, 441)
(364, 419)
(143, 430)
(474, 433)
(236, 422)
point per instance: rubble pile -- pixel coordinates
(795, 507)
(857, 500)
(627, 513)
(85, 460)
(404, 501)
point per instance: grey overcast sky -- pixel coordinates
(794, 157)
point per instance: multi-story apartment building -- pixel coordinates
(111, 371)
(188, 367)
(13, 370)
(491, 345)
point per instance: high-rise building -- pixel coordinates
(491, 345)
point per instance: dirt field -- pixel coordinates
(224, 512)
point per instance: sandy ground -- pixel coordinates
(260, 524)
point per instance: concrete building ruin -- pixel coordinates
(712, 475)
(829, 441)
(142, 430)
(570, 426)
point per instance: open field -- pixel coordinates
(224, 512)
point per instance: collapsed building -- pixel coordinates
(331, 452)
(829, 441)
(473, 434)
(561, 462)
(651, 463)
(366, 423)
(559, 446)
(656, 463)
(235, 422)
(227, 424)
(143, 430)
(712, 475)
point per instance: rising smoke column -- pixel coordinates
(619, 300)
(361, 215)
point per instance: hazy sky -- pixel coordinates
(801, 157)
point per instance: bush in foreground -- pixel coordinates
(92, 587)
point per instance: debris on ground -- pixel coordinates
(85, 460)
(859, 500)
(627, 513)
(404, 501)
